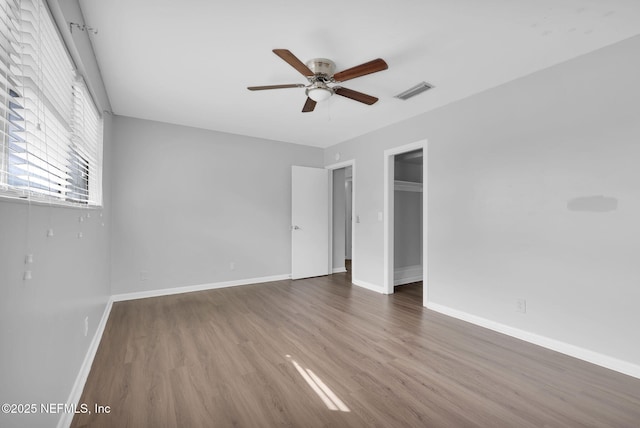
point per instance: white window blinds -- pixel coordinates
(10, 109)
(86, 149)
(52, 132)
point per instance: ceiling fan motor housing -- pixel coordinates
(322, 66)
(323, 70)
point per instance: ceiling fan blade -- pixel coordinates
(361, 70)
(309, 105)
(293, 61)
(355, 95)
(262, 88)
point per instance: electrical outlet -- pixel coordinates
(521, 306)
(27, 275)
(49, 233)
(144, 275)
(232, 266)
(86, 326)
(28, 259)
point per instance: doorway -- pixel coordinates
(342, 195)
(405, 225)
(407, 218)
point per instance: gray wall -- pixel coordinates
(506, 169)
(189, 202)
(42, 320)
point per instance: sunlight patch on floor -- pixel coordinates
(328, 397)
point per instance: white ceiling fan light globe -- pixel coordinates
(319, 94)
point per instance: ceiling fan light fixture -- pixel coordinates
(319, 93)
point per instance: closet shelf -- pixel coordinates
(407, 186)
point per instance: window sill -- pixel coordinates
(45, 202)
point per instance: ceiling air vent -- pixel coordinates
(412, 92)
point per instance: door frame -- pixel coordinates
(331, 168)
(389, 185)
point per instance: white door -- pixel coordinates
(310, 222)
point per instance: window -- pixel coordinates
(50, 129)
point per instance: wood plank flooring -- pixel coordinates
(239, 357)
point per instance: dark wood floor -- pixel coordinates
(253, 356)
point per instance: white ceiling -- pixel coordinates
(189, 61)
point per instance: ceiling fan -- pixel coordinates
(320, 73)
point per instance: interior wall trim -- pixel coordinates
(407, 275)
(201, 287)
(367, 285)
(78, 386)
(602, 360)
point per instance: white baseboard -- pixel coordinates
(407, 274)
(546, 342)
(78, 386)
(367, 285)
(192, 288)
(339, 270)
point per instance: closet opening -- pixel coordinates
(408, 221)
(405, 220)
